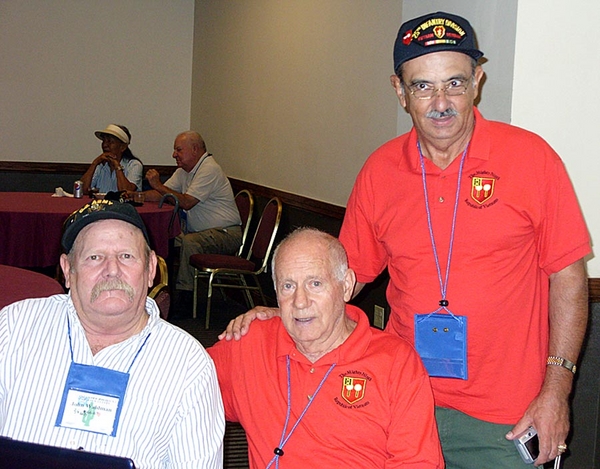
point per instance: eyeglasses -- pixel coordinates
(427, 90)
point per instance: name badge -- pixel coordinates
(441, 341)
(92, 399)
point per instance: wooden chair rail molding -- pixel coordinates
(293, 200)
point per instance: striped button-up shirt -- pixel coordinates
(172, 414)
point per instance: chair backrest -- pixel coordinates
(245, 205)
(264, 237)
(160, 290)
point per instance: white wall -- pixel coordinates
(295, 95)
(556, 94)
(70, 67)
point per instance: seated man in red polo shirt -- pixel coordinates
(317, 387)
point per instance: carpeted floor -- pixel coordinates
(196, 328)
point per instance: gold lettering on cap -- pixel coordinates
(457, 28)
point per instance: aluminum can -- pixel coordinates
(78, 189)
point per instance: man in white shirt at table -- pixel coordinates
(212, 223)
(98, 369)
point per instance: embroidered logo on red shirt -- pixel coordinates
(353, 389)
(482, 189)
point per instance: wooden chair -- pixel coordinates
(160, 290)
(232, 271)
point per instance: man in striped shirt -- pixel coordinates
(97, 369)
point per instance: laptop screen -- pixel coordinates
(21, 455)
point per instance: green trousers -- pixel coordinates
(469, 443)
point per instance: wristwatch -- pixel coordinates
(560, 361)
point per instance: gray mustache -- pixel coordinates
(433, 114)
(112, 284)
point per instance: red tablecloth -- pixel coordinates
(31, 227)
(18, 284)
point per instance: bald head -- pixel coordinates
(188, 149)
(333, 247)
(193, 138)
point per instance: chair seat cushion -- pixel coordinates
(220, 261)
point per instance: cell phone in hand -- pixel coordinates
(528, 445)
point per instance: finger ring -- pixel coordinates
(562, 448)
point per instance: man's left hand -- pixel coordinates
(549, 415)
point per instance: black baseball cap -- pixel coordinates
(99, 210)
(434, 32)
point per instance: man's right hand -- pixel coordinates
(239, 326)
(153, 178)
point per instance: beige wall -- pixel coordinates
(69, 67)
(295, 95)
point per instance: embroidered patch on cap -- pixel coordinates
(435, 31)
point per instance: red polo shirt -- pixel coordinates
(374, 410)
(518, 221)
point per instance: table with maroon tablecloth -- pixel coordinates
(31, 227)
(18, 284)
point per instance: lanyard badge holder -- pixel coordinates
(92, 399)
(441, 338)
(441, 341)
(93, 396)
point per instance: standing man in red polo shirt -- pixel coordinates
(480, 230)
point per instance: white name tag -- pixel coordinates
(92, 399)
(90, 412)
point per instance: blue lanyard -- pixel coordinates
(443, 283)
(134, 358)
(284, 439)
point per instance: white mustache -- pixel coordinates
(433, 114)
(112, 284)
